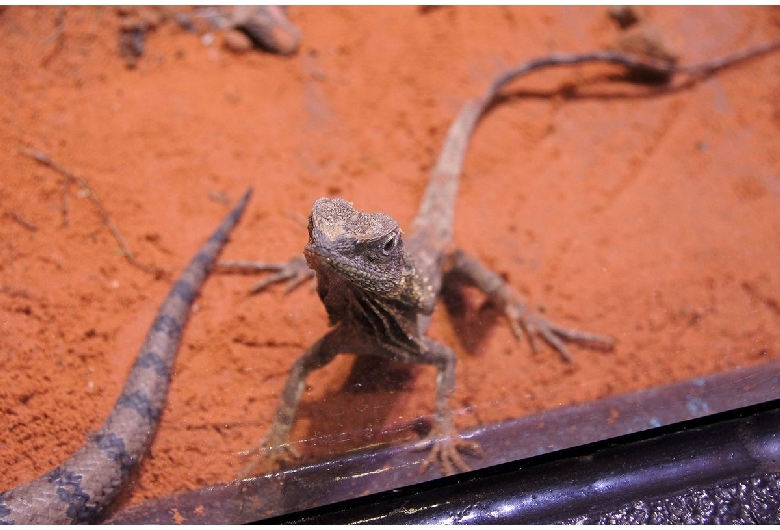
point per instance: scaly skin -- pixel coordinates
(379, 286)
(82, 486)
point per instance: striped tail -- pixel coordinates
(82, 486)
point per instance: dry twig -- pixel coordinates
(22, 221)
(44, 159)
(658, 68)
(58, 36)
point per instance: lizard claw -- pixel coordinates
(269, 455)
(528, 323)
(294, 272)
(445, 451)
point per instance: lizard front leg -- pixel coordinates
(446, 443)
(521, 318)
(276, 444)
(295, 272)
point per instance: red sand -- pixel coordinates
(653, 219)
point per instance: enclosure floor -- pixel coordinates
(650, 216)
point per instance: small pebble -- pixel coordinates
(237, 41)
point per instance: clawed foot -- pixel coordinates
(525, 321)
(294, 272)
(268, 456)
(445, 451)
(522, 319)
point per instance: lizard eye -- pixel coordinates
(389, 245)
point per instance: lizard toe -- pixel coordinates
(446, 452)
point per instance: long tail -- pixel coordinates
(437, 207)
(77, 490)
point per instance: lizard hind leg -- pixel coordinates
(522, 319)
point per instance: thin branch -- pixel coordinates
(58, 36)
(44, 159)
(657, 67)
(22, 221)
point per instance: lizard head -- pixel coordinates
(364, 249)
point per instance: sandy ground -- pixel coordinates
(654, 218)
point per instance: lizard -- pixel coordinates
(79, 489)
(379, 285)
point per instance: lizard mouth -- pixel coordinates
(320, 255)
(332, 260)
(361, 274)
